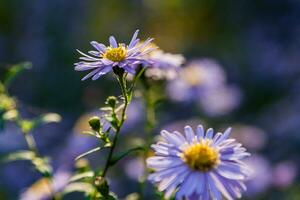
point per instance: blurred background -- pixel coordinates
(252, 46)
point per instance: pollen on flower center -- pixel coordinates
(117, 54)
(201, 156)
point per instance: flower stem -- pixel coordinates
(122, 83)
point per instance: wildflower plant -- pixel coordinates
(122, 60)
(9, 113)
(190, 166)
(194, 166)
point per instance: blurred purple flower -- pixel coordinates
(40, 189)
(260, 177)
(119, 55)
(134, 115)
(165, 65)
(135, 168)
(284, 174)
(253, 138)
(221, 100)
(195, 78)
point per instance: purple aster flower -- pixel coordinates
(260, 177)
(165, 65)
(220, 101)
(284, 174)
(199, 166)
(197, 77)
(105, 58)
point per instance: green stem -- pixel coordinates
(31, 142)
(122, 83)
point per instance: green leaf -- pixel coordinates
(88, 152)
(106, 109)
(84, 175)
(14, 71)
(121, 155)
(86, 188)
(90, 133)
(19, 155)
(11, 115)
(42, 165)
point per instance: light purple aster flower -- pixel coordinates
(197, 77)
(260, 177)
(199, 166)
(165, 65)
(105, 58)
(284, 174)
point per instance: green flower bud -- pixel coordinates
(95, 123)
(111, 101)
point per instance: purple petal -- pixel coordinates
(200, 132)
(129, 69)
(221, 186)
(102, 71)
(209, 133)
(133, 41)
(92, 73)
(200, 183)
(113, 42)
(189, 134)
(171, 138)
(214, 191)
(100, 47)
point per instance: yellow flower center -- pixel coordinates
(117, 54)
(201, 156)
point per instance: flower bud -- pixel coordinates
(95, 124)
(111, 101)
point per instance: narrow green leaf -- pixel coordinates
(19, 155)
(121, 155)
(42, 165)
(83, 175)
(88, 152)
(79, 187)
(14, 71)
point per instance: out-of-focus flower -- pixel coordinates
(284, 174)
(260, 177)
(134, 168)
(105, 58)
(200, 166)
(251, 137)
(204, 81)
(196, 77)
(40, 190)
(134, 115)
(165, 65)
(220, 101)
